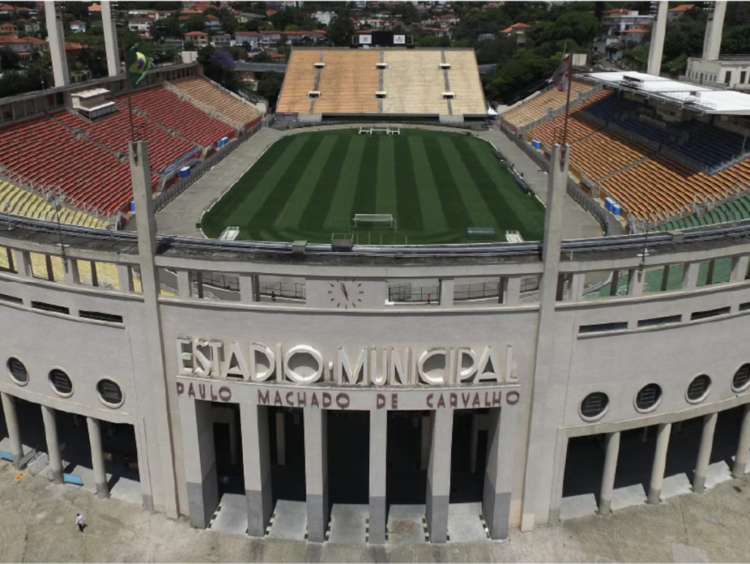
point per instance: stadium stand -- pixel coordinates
(537, 108)
(164, 107)
(26, 203)
(231, 110)
(412, 80)
(733, 210)
(348, 83)
(414, 83)
(299, 79)
(114, 132)
(465, 82)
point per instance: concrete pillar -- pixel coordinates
(280, 438)
(447, 286)
(636, 277)
(97, 456)
(160, 392)
(56, 39)
(316, 473)
(247, 288)
(615, 283)
(199, 456)
(72, 274)
(690, 275)
(53, 444)
(704, 451)
(665, 278)
(512, 290)
(610, 470)
(23, 264)
(110, 39)
(498, 477)
(14, 431)
(424, 459)
(658, 32)
(198, 284)
(710, 273)
(539, 466)
(256, 457)
(124, 278)
(48, 266)
(378, 446)
(183, 284)
(660, 460)
(578, 281)
(739, 268)
(439, 474)
(256, 287)
(712, 39)
(740, 458)
(94, 275)
(233, 442)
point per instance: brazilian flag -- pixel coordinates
(138, 65)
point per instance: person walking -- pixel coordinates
(79, 522)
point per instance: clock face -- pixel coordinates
(346, 293)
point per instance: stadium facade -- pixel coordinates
(535, 374)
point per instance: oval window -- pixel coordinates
(594, 405)
(18, 372)
(60, 382)
(109, 392)
(648, 397)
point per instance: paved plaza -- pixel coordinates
(37, 524)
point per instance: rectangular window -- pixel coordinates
(98, 316)
(656, 321)
(745, 306)
(743, 76)
(11, 299)
(728, 77)
(50, 307)
(709, 313)
(603, 327)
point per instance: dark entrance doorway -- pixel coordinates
(406, 475)
(348, 457)
(228, 448)
(287, 441)
(467, 485)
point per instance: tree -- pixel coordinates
(736, 40)
(525, 72)
(9, 60)
(196, 22)
(168, 27)
(269, 87)
(218, 65)
(341, 29)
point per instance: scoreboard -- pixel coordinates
(366, 39)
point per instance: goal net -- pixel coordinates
(374, 220)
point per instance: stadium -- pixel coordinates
(368, 318)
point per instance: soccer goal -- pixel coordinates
(374, 220)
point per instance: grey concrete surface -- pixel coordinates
(465, 523)
(628, 496)
(577, 506)
(37, 524)
(348, 523)
(679, 484)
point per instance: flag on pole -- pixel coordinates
(138, 65)
(561, 78)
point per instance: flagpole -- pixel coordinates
(567, 100)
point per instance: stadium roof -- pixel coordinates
(692, 96)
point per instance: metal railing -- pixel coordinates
(406, 293)
(288, 290)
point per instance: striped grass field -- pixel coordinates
(310, 185)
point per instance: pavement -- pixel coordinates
(37, 524)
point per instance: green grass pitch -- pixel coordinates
(310, 185)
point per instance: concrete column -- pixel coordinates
(704, 451)
(125, 278)
(512, 290)
(712, 39)
(23, 263)
(498, 477)
(97, 456)
(539, 466)
(198, 284)
(48, 266)
(710, 273)
(53, 444)
(247, 288)
(94, 275)
(439, 474)
(636, 278)
(256, 457)
(740, 458)
(14, 431)
(183, 284)
(280, 438)
(378, 446)
(72, 275)
(447, 286)
(160, 391)
(233, 442)
(56, 39)
(660, 460)
(615, 283)
(110, 39)
(256, 287)
(739, 268)
(424, 459)
(610, 470)
(658, 32)
(665, 278)
(690, 275)
(576, 287)
(316, 473)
